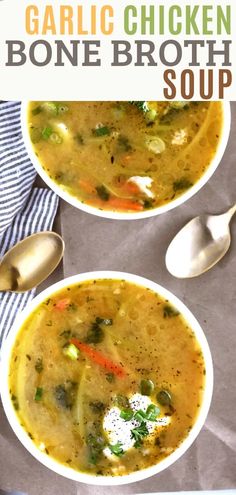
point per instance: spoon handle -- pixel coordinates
(231, 212)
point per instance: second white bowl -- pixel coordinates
(52, 463)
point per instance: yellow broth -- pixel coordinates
(108, 155)
(141, 340)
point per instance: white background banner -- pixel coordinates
(63, 75)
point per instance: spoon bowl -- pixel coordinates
(30, 261)
(199, 245)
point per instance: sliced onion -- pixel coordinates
(155, 144)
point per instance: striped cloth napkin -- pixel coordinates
(23, 210)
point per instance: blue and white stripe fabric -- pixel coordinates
(17, 174)
(23, 210)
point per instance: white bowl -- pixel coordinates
(122, 215)
(53, 464)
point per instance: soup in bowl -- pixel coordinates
(125, 160)
(106, 378)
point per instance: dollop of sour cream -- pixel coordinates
(118, 430)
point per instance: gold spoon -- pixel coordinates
(30, 261)
(199, 245)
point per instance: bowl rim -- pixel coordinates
(55, 465)
(73, 201)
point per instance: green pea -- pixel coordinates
(164, 398)
(146, 387)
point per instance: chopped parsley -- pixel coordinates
(152, 412)
(101, 131)
(182, 184)
(36, 110)
(103, 193)
(117, 449)
(122, 401)
(38, 394)
(127, 414)
(110, 377)
(15, 402)
(65, 394)
(97, 406)
(95, 333)
(96, 444)
(46, 132)
(66, 334)
(124, 144)
(169, 311)
(139, 433)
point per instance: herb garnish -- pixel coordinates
(103, 193)
(65, 394)
(96, 444)
(36, 110)
(97, 406)
(38, 394)
(95, 334)
(148, 203)
(169, 311)
(122, 401)
(139, 433)
(110, 377)
(182, 183)
(46, 132)
(15, 402)
(117, 449)
(101, 131)
(150, 414)
(140, 415)
(66, 334)
(127, 414)
(124, 144)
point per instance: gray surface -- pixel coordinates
(139, 247)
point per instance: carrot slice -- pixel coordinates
(118, 203)
(125, 204)
(97, 202)
(99, 359)
(87, 186)
(62, 304)
(130, 187)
